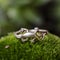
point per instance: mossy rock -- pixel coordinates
(12, 48)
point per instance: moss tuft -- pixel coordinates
(12, 48)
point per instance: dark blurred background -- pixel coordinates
(15, 14)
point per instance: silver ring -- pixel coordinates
(25, 33)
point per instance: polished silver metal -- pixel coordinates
(35, 33)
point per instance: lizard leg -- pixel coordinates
(24, 39)
(32, 40)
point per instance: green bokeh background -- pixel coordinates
(15, 14)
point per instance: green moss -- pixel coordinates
(46, 49)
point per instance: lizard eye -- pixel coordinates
(36, 28)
